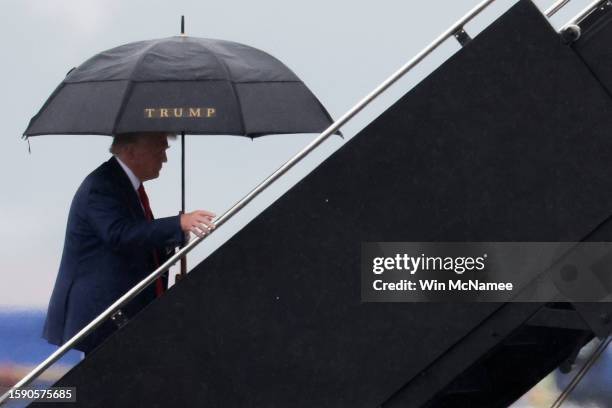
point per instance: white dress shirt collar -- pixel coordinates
(133, 179)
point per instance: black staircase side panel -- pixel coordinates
(593, 46)
(510, 139)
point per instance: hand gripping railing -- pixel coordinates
(334, 127)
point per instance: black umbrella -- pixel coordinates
(183, 85)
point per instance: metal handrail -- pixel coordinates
(334, 127)
(585, 12)
(558, 5)
(597, 353)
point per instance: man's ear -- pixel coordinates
(129, 152)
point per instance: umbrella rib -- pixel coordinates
(93, 81)
(183, 80)
(239, 107)
(130, 85)
(56, 91)
(232, 84)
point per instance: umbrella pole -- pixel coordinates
(183, 271)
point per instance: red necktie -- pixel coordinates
(144, 199)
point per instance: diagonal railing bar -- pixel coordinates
(585, 12)
(558, 5)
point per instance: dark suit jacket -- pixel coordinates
(108, 248)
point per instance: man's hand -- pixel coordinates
(199, 222)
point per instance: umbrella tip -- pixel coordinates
(182, 25)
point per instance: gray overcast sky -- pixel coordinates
(340, 49)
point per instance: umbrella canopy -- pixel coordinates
(181, 84)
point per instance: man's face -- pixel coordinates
(148, 155)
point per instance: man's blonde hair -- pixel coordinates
(121, 140)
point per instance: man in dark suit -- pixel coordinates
(112, 241)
